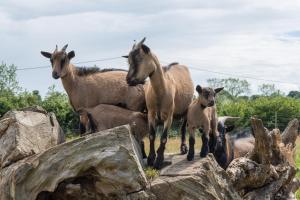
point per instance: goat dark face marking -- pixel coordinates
(207, 95)
(140, 64)
(59, 61)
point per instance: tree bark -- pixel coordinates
(268, 171)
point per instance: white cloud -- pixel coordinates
(252, 37)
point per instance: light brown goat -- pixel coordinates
(202, 114)
(168, 94)
(88, 87)
(104, 117)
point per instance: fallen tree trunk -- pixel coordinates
(99, 166)
(268, 171)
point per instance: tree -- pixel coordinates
(235, 87)
(267, 89)
(58, 103)
(294, 94)
(215, 82)
(8, 79)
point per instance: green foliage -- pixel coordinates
(151, 173)
(8, 81)
(58, 103)
(298, 194)
(294, 94)
(265, 108)
(267, 89)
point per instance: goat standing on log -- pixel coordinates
(89, 87)
(93, 120)
(202, 113)
(168, 94)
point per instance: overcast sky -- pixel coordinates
(257, 38)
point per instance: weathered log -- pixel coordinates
(261, 152)
(272, 190)
(99, 166)
(268, 171)
(290, 133)
(196, 180)
(27, 132)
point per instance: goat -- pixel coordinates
(228, 148)
(202, 114)
(105, 116)
(168, 94)
(88, 87)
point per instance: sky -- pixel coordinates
(252, 38)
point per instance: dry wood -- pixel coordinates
(268, 171)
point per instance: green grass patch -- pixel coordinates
(151, 173)
(70, 137)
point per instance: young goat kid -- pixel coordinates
(104, 117)
(168, 94)
(89, 87)
(229, 148)
(202, 114)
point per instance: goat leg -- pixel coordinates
(143, 149)
(183, 146)
(205, 146)
(191, 153)
(212, 143)
(161, 149)
(152, 155)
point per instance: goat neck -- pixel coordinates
(69, 80)
(157, 79)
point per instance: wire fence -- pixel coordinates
(195, 68)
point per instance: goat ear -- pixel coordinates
(125, 56)
(219, 90)
(46, 54)
(71, 55)
(145, 49)
(199, 89)
(229, 128)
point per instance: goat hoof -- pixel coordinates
(190, 157)
(150, 160)
(183, 149)
(203, 154)
(158, 162)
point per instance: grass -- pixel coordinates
(70, 137)
(151, 173)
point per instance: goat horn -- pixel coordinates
(55, 48)
(141, 43)
(65, 47)
(225, 118)
(134, 44)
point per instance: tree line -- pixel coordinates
(271, 105)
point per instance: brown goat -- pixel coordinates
(229, 148)
(88, 87)
(202, 114)
(168, 94)
(105, 116)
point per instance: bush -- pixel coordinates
(273, 111)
